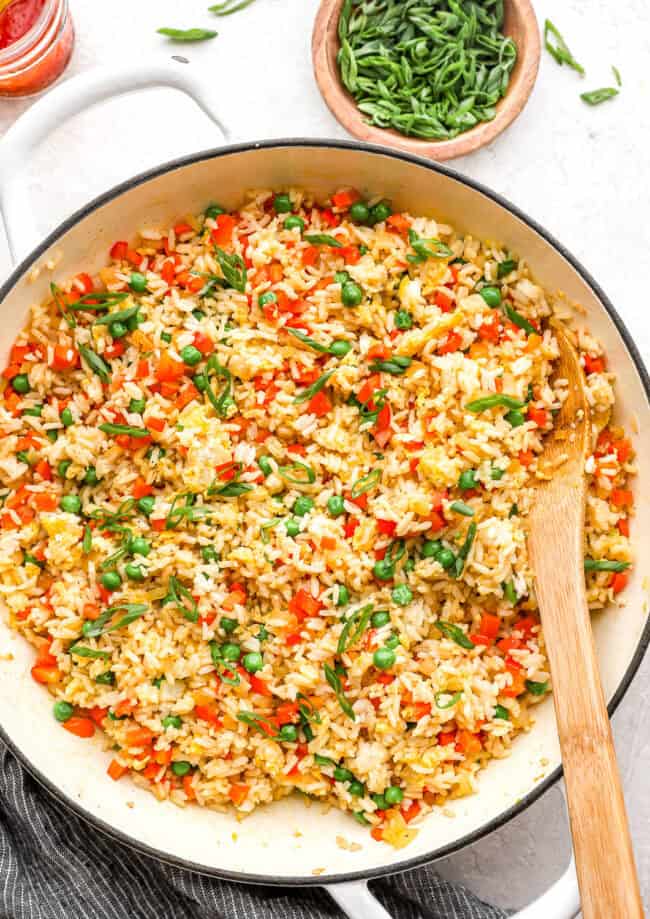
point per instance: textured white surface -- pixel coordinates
(581, 172)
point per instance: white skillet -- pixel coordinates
(288, 843)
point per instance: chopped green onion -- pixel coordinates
(366, 483)
(455, 633)
(307, 474)
(334, 681)
(596, 96)
(451, 700)
(316, 387)
(322, 239)
(558, 48)
(459, 507)
(605, 564)
(497, 400)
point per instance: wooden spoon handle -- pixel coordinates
(607, 875)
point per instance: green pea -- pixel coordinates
(118, 329)
(191, 356)
(341, 774)
(90, 476)
(172, 721)
(145, 504)
(268, 297)
(467, 479)
(200, 380)
(492, 296)
(137, 406)
(166, 337)
(105, 679)
(20, 383)
(393, 795)
(293, 222)
(213, 210)
(336, 505)
(383, 658)
(34, 411)
(63, 711)
(380, 801)
(133, 322)
(343, 595)
(292, 527)
(402, 594)
(111, 580)
(288, 733)
(515, 418)
(303, 505)
(66, 418)
(403, 320)
(496, 474)
(359, 212)
(380, 618)
(52, 435)
(71, 504)
(392, 641)
(357, 789)
(340, 348)
(341, 277)
(383, 570)
(431, 548)
(138, 282)
(380, 212)
(408, 565)
(231, 652)
(446, 558)
(351, 294)
(181, 767)
(23, 457)
(253, 662)
(198, 315)
(264, 462)
(209, 554)
(139, 546)
(134, 572)
(282, 204)
(227, 624)
(63, 467)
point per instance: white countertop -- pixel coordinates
(581, 172)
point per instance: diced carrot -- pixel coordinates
(328, 543)
(180, 229)
(399, 223)
(65, 358)
(90, 611)
(98, 714)
(203, 343)
(350, 526)
(451, 343)
(346, 198)
(526, 625)
(116, 770)
(45, 501)
(619, 581)
(361, 501)
(258, 685)
(532, 343)
(377, 833)
(477, 639)
(526, 457)
(445, 738)
(468, 743)
(623, 450)
(538, 415)
(168, 369)
(594, 364)
(115, 349)
(189, 394)
(622, 497)
(222, 233)
(444, 301)
(44, 469)
(118, 250)
(421, 709)
(385, 678)
(84, 283)
(168, 271)
(437, 521)
(351, 255)
(45, 673)
(386, 527)
(371, 384)
(151, 771)
(238, 793)
(163, 757)
(293, 639)
(510, 644)
(490, 625)
(319, 405)
(303, 606)
(379, 352)
(329, 217)
(310, 256)
(141, 488)
(139, 737)
(80, 727)
(297, 449)
(208, 713)
(517, 686)
(156, 424)
(410, 813)
(287, 712)
(623, 526)
(188, 786)
(489, 330)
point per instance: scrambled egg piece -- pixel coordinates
(436, 464)
(65, 533)
(412, 342)
(208, 446)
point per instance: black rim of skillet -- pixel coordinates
(511, 812)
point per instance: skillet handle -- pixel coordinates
(67, 99)
(561, 901)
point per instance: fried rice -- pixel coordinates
(264, 483)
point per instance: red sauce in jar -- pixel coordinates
(17, 19)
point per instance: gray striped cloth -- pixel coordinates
(54, 866)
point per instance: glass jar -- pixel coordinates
(29, 64)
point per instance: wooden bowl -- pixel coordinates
(520, 24)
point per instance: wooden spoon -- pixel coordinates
(607, 876)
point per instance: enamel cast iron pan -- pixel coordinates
(286, 843)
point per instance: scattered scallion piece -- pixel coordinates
(497, 400)
(605, 564)
(537, 689)
(425, 249)
(596, 96)
(361, 486)
(311, 391)
(455, 633)
(334, 680)
(187, 35)
(229, 7)
(323, 239)
(558, 48)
